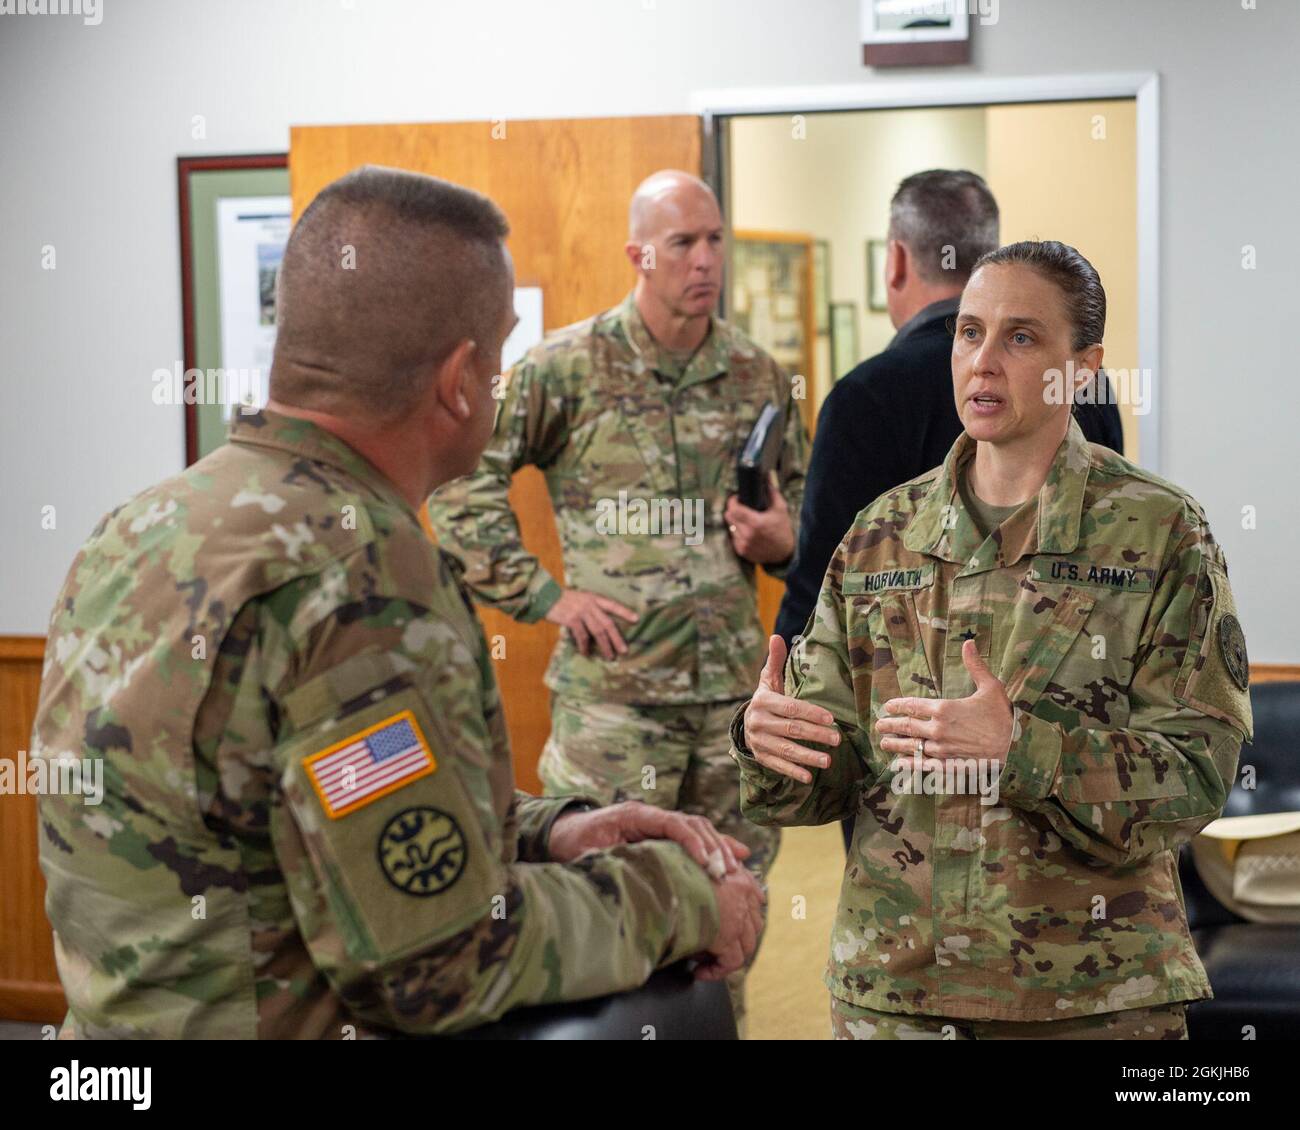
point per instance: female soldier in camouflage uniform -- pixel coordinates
(1028, 672)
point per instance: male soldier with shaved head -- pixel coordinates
(309, 827)
(637, 417)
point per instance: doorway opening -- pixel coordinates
(806, 194)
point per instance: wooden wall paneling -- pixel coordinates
(29, 979)
(1274, 672)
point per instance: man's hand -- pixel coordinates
(773, 720)
(764, 537)
(631, 822)
(587, 617)
(976, 726)
(740, 911)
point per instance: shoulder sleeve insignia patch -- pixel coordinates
(422, 851)
(1232, 646)
(370, 764)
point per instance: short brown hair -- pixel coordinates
(384, 273)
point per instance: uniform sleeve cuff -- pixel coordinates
(541, 601)
(780, 570)
(1033, 760)
(739, 750)
(698, 916)
(537, 815)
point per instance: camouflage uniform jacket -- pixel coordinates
(1103, 606)
(221, 637)
(598, 408)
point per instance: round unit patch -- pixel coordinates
(1232, 646)
(422, 851)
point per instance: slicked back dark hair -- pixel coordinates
(383, 275)
(1077, 279)
(948, 219)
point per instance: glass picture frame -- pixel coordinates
(234, 213)
(822, 285)
(844, 338)
(770, 297)
(877, 257)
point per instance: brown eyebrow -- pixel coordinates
(1014, 320)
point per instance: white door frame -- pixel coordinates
(909, 93)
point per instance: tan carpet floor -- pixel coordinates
(785, 996)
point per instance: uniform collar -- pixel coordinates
(710, 360)
(1049, 523)
(309, 441)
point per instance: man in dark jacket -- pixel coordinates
(893, 417)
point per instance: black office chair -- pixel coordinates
(1254, 967)
(672, 1005)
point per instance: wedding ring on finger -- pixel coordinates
(920, 747)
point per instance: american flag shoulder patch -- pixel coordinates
(370, 764)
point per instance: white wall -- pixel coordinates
(92, 118)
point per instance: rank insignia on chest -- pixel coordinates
(963, 626)
(370, 764)
(1120, 578)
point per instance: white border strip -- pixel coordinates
(889, 94)
(1148, 233)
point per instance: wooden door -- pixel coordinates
(565, 187)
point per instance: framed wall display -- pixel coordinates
(772, 299)
(877, 251)
(822, 285)
(915, 33)
(234, 222)
(844, 338)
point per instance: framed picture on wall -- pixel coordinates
(877, 251)
(915, 33)
(822, 285)
(844, 338)
(771, 296)
(234, 223)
